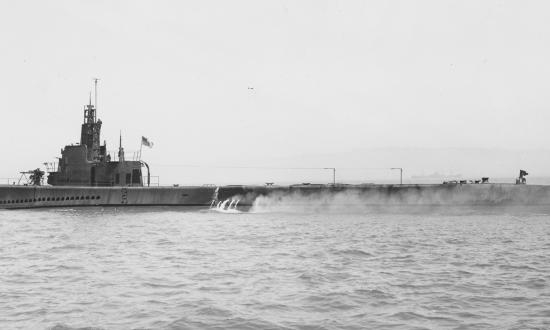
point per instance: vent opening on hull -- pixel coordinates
(50, 199)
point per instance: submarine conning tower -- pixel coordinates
(88, 164)
(90, 133)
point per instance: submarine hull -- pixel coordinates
(14, 197)
(391, 194)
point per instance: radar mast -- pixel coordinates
(91, 128)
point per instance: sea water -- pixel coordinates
(192, 268)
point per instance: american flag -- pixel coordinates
(145, 141)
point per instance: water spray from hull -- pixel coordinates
(229, 205)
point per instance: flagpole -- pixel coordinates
(140, 148)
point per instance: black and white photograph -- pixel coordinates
(275, 164)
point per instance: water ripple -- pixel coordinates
(87, 269)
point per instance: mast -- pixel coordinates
(95, 92)
(120, 149)
(91, 128)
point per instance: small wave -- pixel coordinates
(242, 323)
(378, 294)
(164, 241)
(164, 286)
(66, 247)
(186, 323)
(455, 241)
(544, 314)
(534, 283)
(407, 316)
(353, 252)
(273, 307)
(518, 267)
(214, 311)
(482, 265)
(337, 304)
(68, 311)
(514, 299)
(468, 315)
(66, 327)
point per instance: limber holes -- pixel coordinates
(50, 199)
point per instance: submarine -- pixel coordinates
(86, 175)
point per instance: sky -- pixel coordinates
(430, 86)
